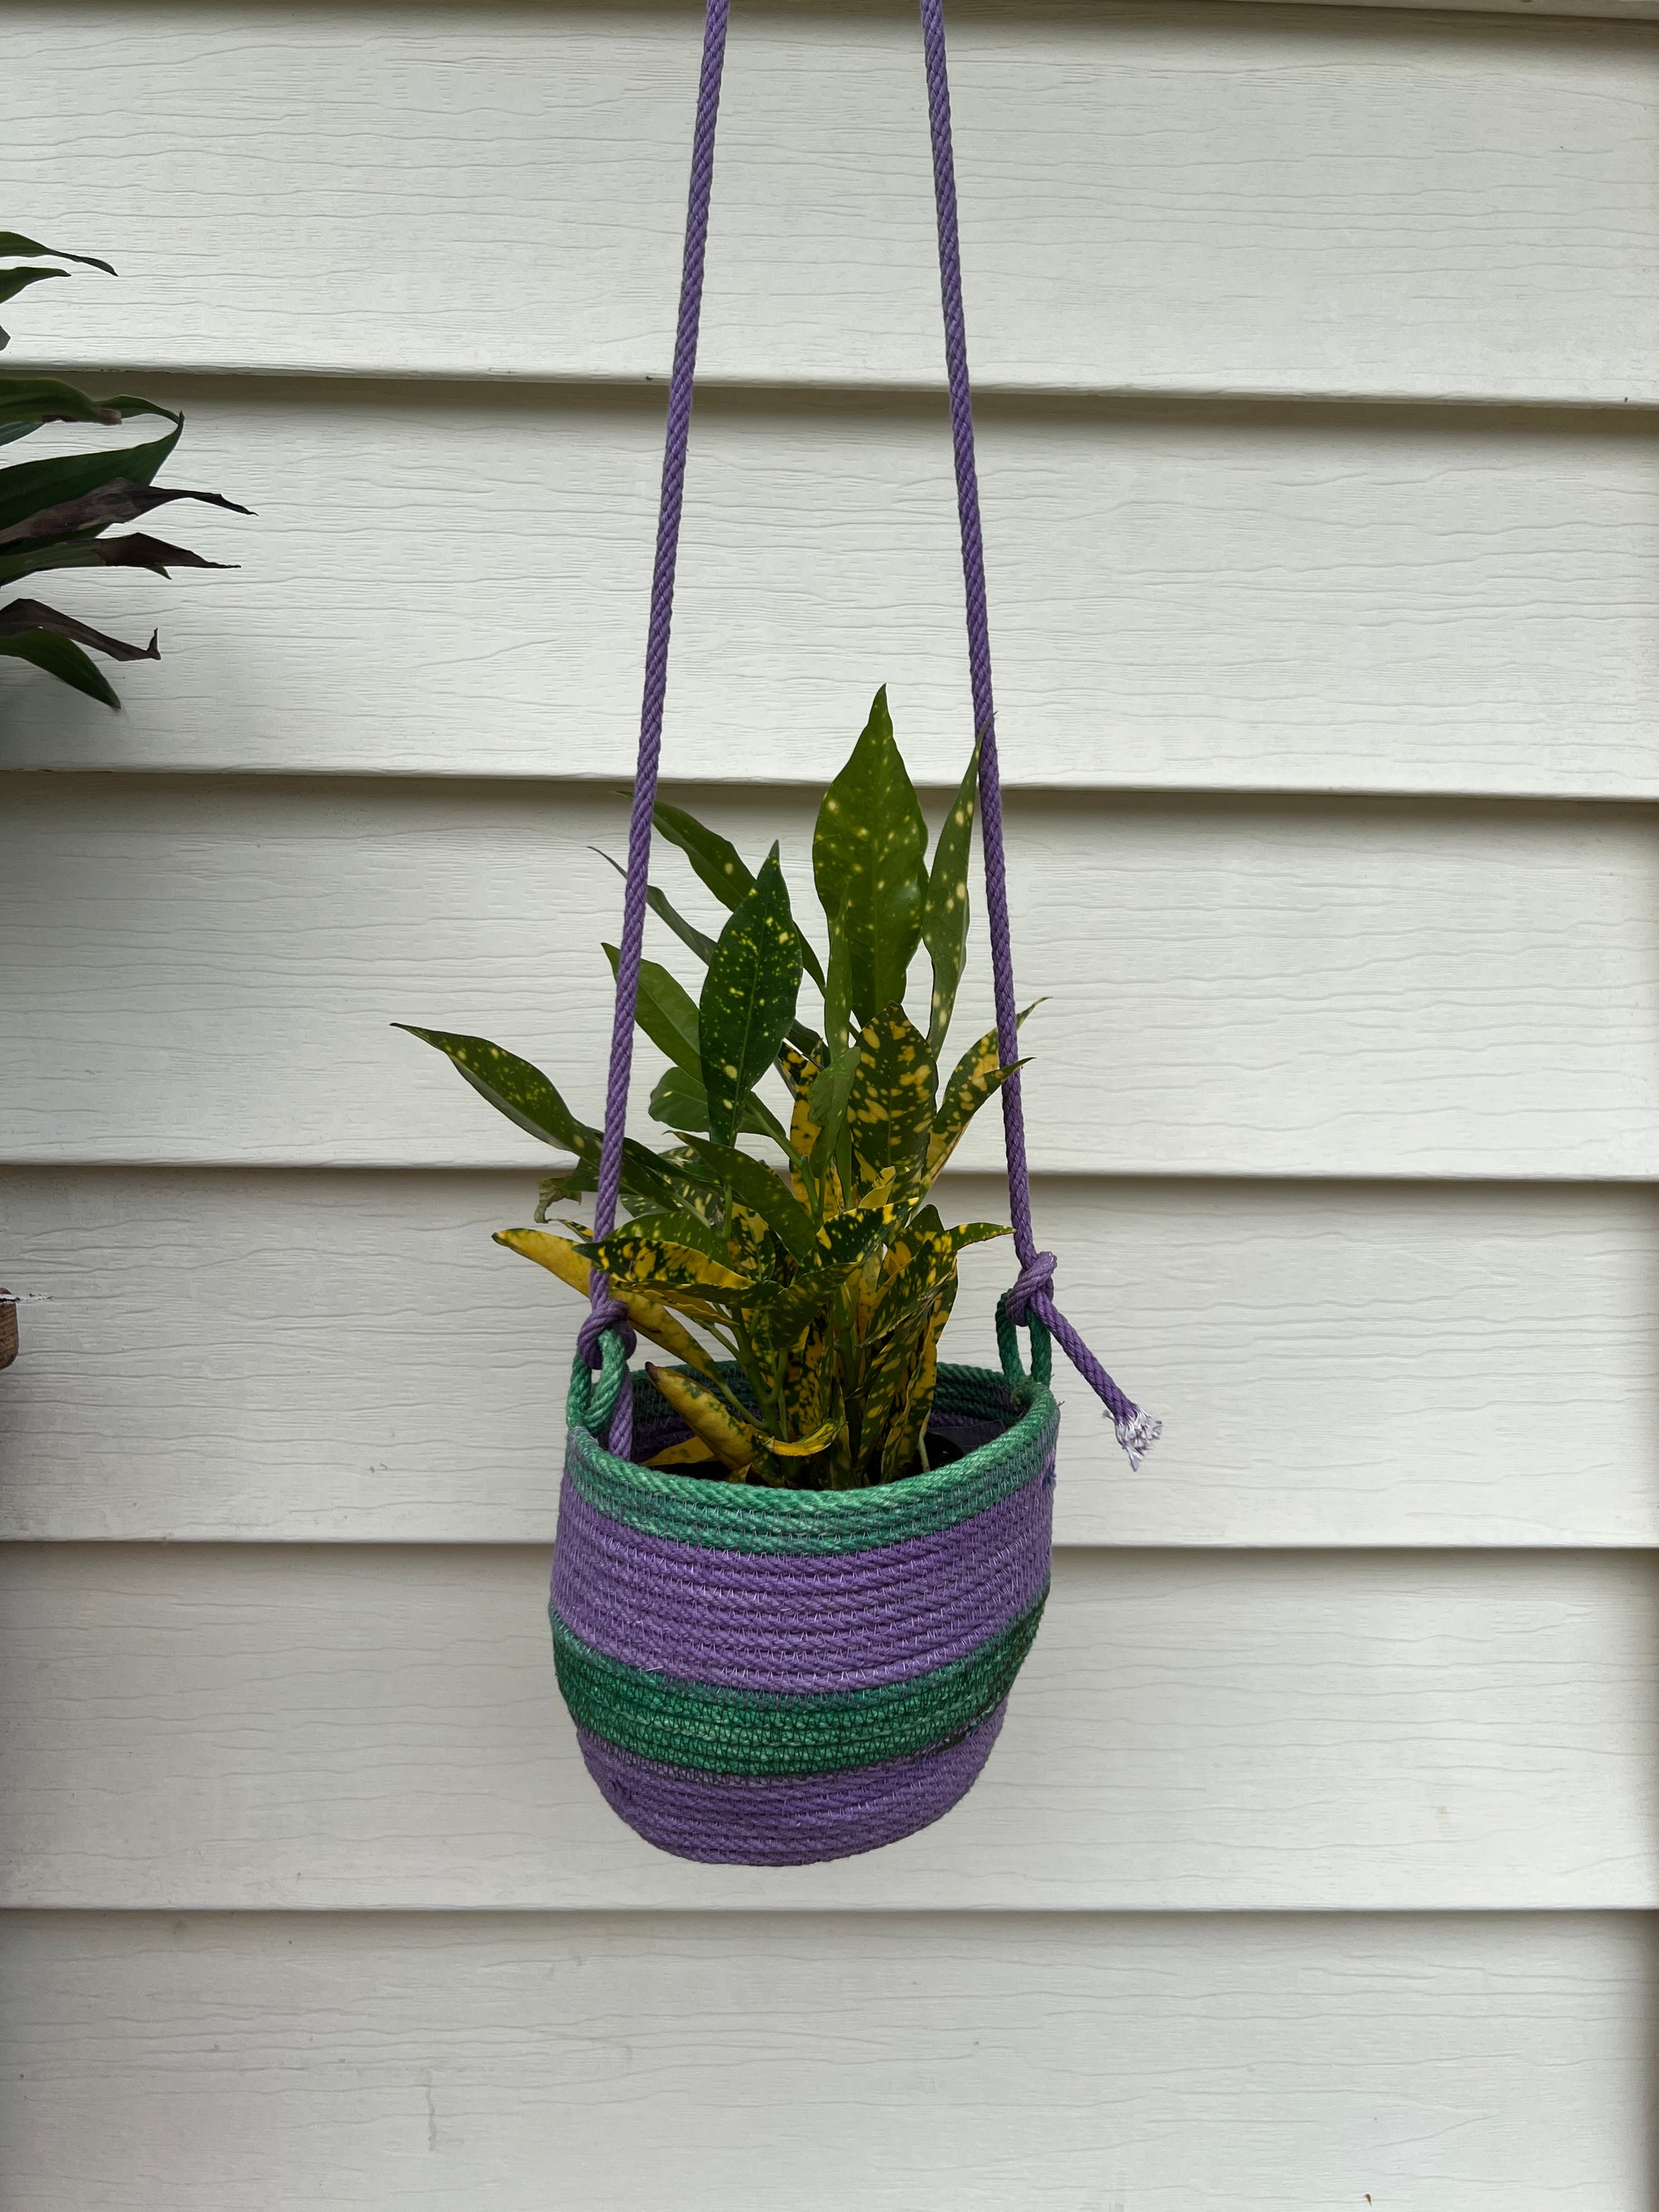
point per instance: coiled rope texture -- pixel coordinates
(772, 1677)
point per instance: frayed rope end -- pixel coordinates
(1137, 1433)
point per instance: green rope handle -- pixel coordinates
(1043, 1346)
(593, 1398)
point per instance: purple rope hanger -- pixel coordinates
(1031, 1296)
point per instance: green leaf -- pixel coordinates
(890, 1109)
(944, 911)
(120, 500)
(748, 998)
(14, 281)
(901, 1447)
(14, 247)
(719, 867)
(665, 1011)
(868, 853)
(514, 1088)
(560, 1190)
(977, 1075)
(28, 486)
(59, 658)
(716, 860)
(32, 557)
(754, 1183)
(26, 402)
(826, 1110)
(667, 1253)
(687, 933)
(679, 1101)
(778, 1317)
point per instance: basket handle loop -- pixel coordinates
(593, 1398)
(1043, 1346)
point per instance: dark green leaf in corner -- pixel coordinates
(14, 247)
(747, 998)
(869, 853)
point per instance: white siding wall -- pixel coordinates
(1317, 1863)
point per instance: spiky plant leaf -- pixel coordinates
(719, 867)
(748, 998)
(31, 486)
(560, 1257)
(49, 649)
(944, 910)
(665, 1011)
(977, 1076)
(890, 1104)
(692, 1453)
(514, 1088)
(765, 1193)
(901, 1447)
(868, 862)
(709, 1412)
(679, 1101)
(14, 247)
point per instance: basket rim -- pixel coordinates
(1035, 1404)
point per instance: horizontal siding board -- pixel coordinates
(192, 1726)
(1278, 198)
(258, 1356)
(1490, 2064)
(1269, 600)
(207, 974)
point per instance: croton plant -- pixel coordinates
(802, 1289)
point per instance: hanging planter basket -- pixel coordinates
(811, 1658)
(772, 1676)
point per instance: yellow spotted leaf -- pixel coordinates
(891, 1109)
(708, 1413)
(561, 1258)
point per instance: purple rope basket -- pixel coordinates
(773, 1677)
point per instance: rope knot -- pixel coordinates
(1035, 1279)
(604, 1313)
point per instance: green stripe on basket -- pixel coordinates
(730, 1517)
(756, 1732)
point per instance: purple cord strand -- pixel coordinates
(605, 1310)
(1136, 1431)
(1030, 1295)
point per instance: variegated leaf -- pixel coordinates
(807, 1379)
(869, 851)
(761, 1190)
(560, 1257)
(747, 998)
(777, 1316)
(920, 1267)
(694, 1452)
(719, 867)
(977, 1076)
(798, 1068)
(890, 1105)
(886, 1373)
(708, 1412)
(668, 1253)
(514, 1088)
(901, 1451)
(944, 912)
(804, 1447)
